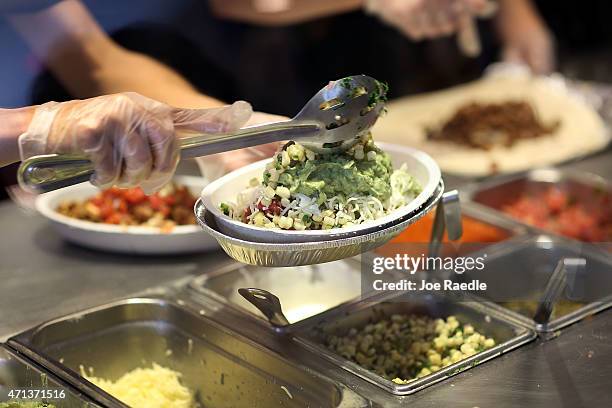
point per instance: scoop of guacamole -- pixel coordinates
(340, 174)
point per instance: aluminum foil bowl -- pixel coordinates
(308, 253)
(225, 189)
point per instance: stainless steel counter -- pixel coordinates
(42, 277)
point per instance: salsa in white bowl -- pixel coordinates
(129, 239)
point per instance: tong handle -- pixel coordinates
(447, 219)
(266, 303)
(48, 172)
(564, 276)
(196, 145)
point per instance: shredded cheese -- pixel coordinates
(156, 387)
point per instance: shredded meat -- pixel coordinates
(484, 126)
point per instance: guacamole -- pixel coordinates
(15, 404)
(303, 190)
(341, 175)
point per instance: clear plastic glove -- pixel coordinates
(525, 38)
(214, 166)
(421, 19)
(131, 140)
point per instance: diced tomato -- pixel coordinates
(156, 202)
(247, 213)
(97, 200)
(170, 199)
(134, 195)
(581, 218)
(125, 206)
(556, 200)
(114, 192)
(275, 208)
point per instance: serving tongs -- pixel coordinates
(268, 304)
(333, 120)
(566, 276)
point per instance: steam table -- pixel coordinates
(42, 277)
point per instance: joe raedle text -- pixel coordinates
(426, 266)
(427, 286)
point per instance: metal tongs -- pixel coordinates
(333, 120)
(268, 304)
(565, 276)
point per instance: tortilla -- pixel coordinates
(582, 131)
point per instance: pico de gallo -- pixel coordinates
(586, 219)
(172, 205)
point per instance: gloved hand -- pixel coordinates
(214, 166)
(525, 37)
(420, 19)
(131, 139)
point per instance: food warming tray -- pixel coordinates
(222, 367)
(304, 291)
(18, 373)
(507, 333)
(489, 197)
(522, 268)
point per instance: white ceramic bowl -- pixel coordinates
(419, 164)
(124, 239)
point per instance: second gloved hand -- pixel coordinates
(131, 139)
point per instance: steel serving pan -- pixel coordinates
(16, 372)
(522, 268)
(490, 196)
(222, 367)
(508, 334)
(304, 291)
(307, 253)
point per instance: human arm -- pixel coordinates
(14, 123)
(525, 37)
(88, 63)
(280, 12)
(130, 139)
(426, 19)
(417, 18)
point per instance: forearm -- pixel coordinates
(14, 123)
(511, 9)
(275, 13)
(516, 4)
(88, 63)
(135, 72)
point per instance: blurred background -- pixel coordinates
(244, 60)
(256, 51)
